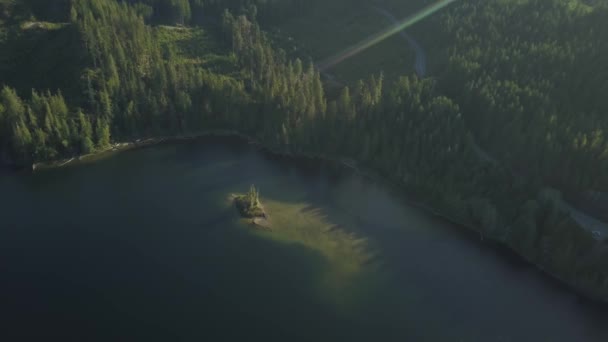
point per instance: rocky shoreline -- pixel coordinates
(127, 145)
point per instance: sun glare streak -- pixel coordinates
(381, 36)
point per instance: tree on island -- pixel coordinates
(253, 196)
(249, 204)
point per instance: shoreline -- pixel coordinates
(353, 165)
(129, 145)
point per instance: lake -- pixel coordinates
(145, 245)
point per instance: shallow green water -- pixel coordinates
(145, 245)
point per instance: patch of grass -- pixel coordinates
(198, 46)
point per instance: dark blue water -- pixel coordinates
(142, 247)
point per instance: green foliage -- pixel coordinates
(253, 197)
(42, 127)
(249, 204)
(195, 45)
(530, 77)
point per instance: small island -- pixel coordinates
(249, 206)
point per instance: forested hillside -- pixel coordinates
(544, 92)
(510, 122)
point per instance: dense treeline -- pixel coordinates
(130, 87)
(44, 128)
(531, 78)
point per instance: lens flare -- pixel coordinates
(379, 37)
